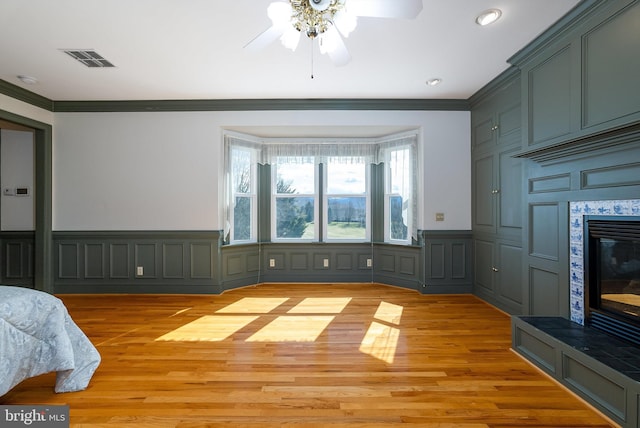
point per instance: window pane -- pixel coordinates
(242, 219)
(400, 169)
(295, 175)
(241, 170)
(397, 222)
(346, 176)
(347, 218)
(294, 217)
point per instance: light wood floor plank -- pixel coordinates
(305, 355)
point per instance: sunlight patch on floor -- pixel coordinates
(321, 305)
(381, 340)
(253, 305)
(388, 312)
(298, 328)
(209, 328)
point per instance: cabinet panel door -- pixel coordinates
(484, 194)
(550, 99)
(483, 135)
(483, 265)
(510, 200)
(510, 270)
(611, 67)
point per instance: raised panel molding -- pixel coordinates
(554, 183)
(68, 260)
(459, 268)
(235, 264)
(437, 258)
(173, 261)
(603, 390)
(611, 66)
(407, 265)
(388, 263)
(14, 260)
(544, 292)
(104, 261)
(94, 261)
(550, 98)
(119, 264)
(201, 255)
(145, 256)
(544, 231)
(344, 261)
(613, 176)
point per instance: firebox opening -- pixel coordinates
(612, 262)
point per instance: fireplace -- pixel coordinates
(612, 275)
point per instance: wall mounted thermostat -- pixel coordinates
(22, 191)
(16, 191)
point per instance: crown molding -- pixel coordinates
(260, 104)
(559, 30)
(22, 94)
(494, 85)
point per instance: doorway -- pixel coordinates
(40, 252)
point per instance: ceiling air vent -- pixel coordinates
(90, 58)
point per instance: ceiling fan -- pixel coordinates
(328, 21)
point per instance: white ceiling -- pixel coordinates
(193, 49)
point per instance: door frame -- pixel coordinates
(43, 263)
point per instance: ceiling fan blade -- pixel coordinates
(385, 8)
(336, 49)
(265, 38)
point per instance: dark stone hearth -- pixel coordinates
(618, 354)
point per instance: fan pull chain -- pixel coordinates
(311, 58)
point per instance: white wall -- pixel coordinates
(16, 170)
(164, 170)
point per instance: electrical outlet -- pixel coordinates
(439, 216)
(325, 263)
(140, 271)
(272, 263)
(369, 263)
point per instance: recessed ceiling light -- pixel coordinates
(27, 79)
(488, 17)
(434, 82)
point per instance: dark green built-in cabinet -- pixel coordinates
(576, 90)
(497, 193)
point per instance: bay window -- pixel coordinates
(322, 191)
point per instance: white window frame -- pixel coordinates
(326, 196)
(275, 196)
(252, 195)
(388, 194)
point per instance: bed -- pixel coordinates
(38, 336)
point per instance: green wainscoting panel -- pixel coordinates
(17, 250)
(137, 262)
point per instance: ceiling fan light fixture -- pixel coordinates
(320, 5)
(290, 38)
(345, 22)
(488, 17)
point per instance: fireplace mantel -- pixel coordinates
(585, 145)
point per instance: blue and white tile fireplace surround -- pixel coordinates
(578, 210)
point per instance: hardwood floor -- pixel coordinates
(305, 355)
